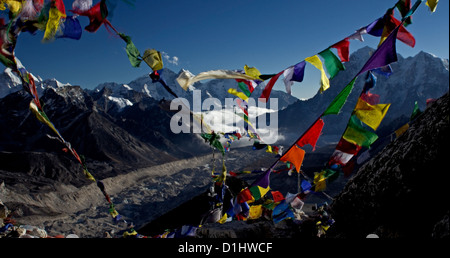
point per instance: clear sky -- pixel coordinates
(202, 35)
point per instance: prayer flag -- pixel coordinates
(403, 7)
(384, 55)
(319, 182)
(343, 48)
(252, 71)
(355, 133)
(282, 212)
(332, 63)
(390, 23)
(339, 157)
(186, 78)
(153, 59)
(132, 52)
(416, 111)
(339, 101)
(348, 147)
(56, 13)
(370, 98)
(258, 192)
(432, 4)
(299, 71)
(324, 82)
(71, 28)
(295, 156)
(238, 94)
(97, 16)
(371, 115)
(268, 89)
(401, 130)
(255, 212)
(244, 88)
(244, 196)
(312, 135)
(293, 73)
(288, 73)
(370, 82)
(277, 196)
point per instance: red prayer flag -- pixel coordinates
(343, 47)
(244, 195)
(268, 89)
(348, 147)
(277, 196)
(312, 135)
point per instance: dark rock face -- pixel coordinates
(401, 193)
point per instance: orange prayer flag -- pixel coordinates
(295, 155)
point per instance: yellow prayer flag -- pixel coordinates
(255, 212)
(371, 115)
(223, 219)
(324, 81)
(238, 94)
(401, 130)
(14, 6)
(34, 109)
(252, 71)
(153, 59)
(432, 4)
(319, 181)
(53, 23)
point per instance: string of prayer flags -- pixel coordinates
(357, 134)
(432, 4)
(316, 62)
(332, 63)
(295, 156)
(186, 78)
(312, 135)
(339, 101)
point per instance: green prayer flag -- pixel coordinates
(357, 134)
(338, 102)
(132, 51)
(332, 63)
(244, 88)
(415, 112)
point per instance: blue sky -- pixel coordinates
(208, 35)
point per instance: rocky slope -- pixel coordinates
(401, 193)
